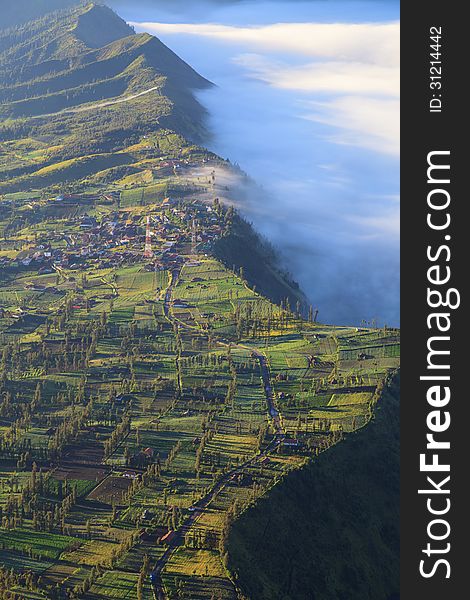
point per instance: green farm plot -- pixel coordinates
(185, 454)
(160, 442)
(198, 587)
(347, 417)
(161, 279)
(115, 585)
(250, 402)
(199, 574)
(18, 561)
(196, 562)
(25, 594)
(109, 347)
(372, 351)
(350, 399)
(136, 390)
(82, 486)
(91, 553)
(40, 544)
(212, 288)
(145, 195)
(122, 314)
(186, 424)
(26, 324)
(135, 557)
(37, 436)
(134, 284)
(288, 352)
(391, 350)
(231, 447)
(151, 497)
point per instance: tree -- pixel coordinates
(140, 586)
(146, 564)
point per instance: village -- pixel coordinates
(118, 237)
(149, 395)
(88, 238)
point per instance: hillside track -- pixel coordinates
(96, 106)
(200, 506)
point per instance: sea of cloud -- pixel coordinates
(307, 103)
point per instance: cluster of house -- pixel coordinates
(119, 238)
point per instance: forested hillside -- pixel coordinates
(243, 248)
(331, 530)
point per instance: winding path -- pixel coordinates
(95, 106)
(203, 503)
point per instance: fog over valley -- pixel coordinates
(307, 103)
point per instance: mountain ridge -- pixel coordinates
(180, 330)
(105, 63)
(63, 76)
(70, 31)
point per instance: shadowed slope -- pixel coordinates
(331, 530)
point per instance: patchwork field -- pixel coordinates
(169, 403)
(148, 397)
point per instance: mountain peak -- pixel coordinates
(98, 25)
(85, 72)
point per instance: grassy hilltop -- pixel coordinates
(79, 92)
(165, 391)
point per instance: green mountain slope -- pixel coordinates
(331, 530)
(60, 34)
(83, 79)
(242, 247)
(161, 385)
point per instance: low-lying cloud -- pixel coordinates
(310, 111)
(363, 42)
(350, 60)
(358, 121)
